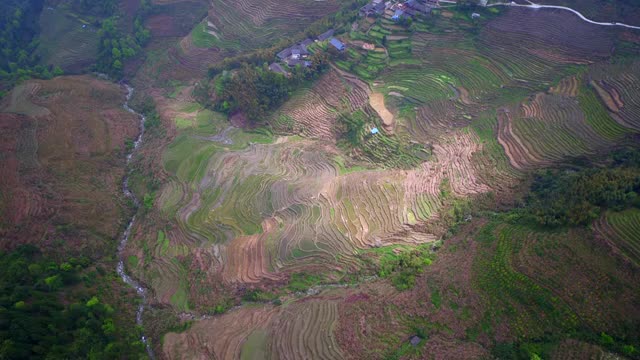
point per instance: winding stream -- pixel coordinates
(142, 292)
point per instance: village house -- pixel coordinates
(337, 44)
(295, 55)
(326, 35)
(277, 68)
(398, 15)
(419, 7)
(374, 8)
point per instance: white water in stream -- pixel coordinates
(142, 292)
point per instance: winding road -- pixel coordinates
(539, 6)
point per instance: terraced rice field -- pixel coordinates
(299, 329)
(247, 209)
(272, 209)
(533, 277)
(66, 41)
(550, 128)
(306, 332)
(187, 61)
(248, 24)
(616, 85)
(175, 18)
(313, 112)
(622, 230)
(273, 201)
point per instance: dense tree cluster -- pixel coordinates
(578, 197)
(403, 268)
(350, 128)
(18, 41)
(256, 90)
(115, 48)
(39, 318)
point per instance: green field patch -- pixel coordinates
(400, 263)
(344, 169)
(598, 117)
(301, 282)
(411, 218)
(191, 107)
(182, 123)
(521, 299)
(255, 347)
(626, 229)
(176, 90)
(187, 156)
(180, 298)
(132, 262)
(201, 38)
(66, 40)
(163, 242)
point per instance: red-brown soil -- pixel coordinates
(561, 33)
(365, 323)
(162, 26)
(63, 141)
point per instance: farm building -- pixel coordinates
(284, 54)
(415, 340)
(277, 68)
(399, 14)
(325, 35)
(293, 56)
(295, 62)
(419, 7)
(296, 51)
(337, 44)
(376, 7)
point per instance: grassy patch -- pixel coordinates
(201, 38)
(163, 242)
(301, 282)
(132, 262)
(255, 347)
(401, 264)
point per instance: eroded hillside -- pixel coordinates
(63, 142)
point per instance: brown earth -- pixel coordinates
(161, 26)
(63, 141)
(562, 34)
(376, 100)
(364, 323)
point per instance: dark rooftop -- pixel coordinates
(275, 67)
(415, 340)
(325, 35)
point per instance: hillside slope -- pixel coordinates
(63, 144)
